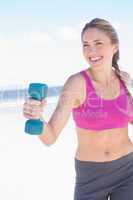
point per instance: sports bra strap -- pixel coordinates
(88, 81)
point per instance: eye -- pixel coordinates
(84, 45)
(99, 43)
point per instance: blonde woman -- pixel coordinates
(102, 107)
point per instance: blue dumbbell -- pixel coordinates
(37, 91)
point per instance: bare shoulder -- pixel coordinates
(75, 79)
(75, 85)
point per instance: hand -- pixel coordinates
(33, 109)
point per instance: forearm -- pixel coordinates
(47, 137)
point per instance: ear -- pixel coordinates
(115, 48)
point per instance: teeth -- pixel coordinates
(95, 59)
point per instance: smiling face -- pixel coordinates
(97, 48)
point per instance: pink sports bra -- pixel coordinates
(96, 113)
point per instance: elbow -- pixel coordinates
(48, 137)
(47, 141)
(49, 144)
(52, 141)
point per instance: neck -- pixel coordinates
(103, 77)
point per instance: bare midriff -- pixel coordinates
(105, 145)
(102, 145)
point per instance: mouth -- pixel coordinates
(95, 60)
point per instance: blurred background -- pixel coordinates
(40, 42)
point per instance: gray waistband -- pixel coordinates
(120, 160)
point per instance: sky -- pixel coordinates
(40, 40)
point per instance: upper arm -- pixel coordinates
(67, 98)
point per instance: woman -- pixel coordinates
(102, 107)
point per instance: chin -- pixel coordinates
(96, 66)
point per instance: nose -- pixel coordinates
(92, 51)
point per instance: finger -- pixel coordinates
(27, 111)
(33, 102)
(32, 113)
(28, 106)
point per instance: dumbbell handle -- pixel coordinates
(37, 91)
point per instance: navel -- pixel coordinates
(106, 152)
